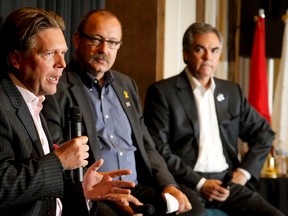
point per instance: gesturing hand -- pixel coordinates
(101, 186)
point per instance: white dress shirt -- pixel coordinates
(211, 157)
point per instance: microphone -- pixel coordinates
(75, 119)
(145, 209)
(227, 178)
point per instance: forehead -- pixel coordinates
(51, 38)
(208, 40)
(103, 24)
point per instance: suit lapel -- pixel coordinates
(87, 114)
(221, 98)
(45, 128)
(187, 99)
(221, 102)
(23, 112)
(125, 97)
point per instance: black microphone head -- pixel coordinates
(146, 209)
(75, 114)
(149, 209)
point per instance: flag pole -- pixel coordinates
(258, 70)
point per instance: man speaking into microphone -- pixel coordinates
(31, 170)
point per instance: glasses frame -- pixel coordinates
(98, 40)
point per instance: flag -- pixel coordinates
(280, 104)
(258, 85)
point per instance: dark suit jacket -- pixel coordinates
(151, 168)
(171, 116)
(29, 181)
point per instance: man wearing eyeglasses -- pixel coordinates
(112, 117)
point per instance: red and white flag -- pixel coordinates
(258, 85)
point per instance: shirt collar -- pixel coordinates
(89, 80)
(29, 98)
(195, 84)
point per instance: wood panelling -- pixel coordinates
(140, 55)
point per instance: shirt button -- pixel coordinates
(111, 136)
(106, 116)
(121, 153)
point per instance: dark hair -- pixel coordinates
(20, 27)
(196, 29)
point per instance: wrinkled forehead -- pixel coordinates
(99, 24)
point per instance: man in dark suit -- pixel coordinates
(195, 120)
(112, 115)
(31, 171)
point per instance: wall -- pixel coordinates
(138, 54)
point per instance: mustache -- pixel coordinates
(101, 56)
(206, 63)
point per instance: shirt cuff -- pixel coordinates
(200, 184)
(245, 173)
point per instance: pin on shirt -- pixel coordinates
(220, 97)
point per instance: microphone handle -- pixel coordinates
(227, 179)
(75, 130)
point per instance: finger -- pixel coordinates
(118, 199)
(84, 139)
(120, 183)
(117, 190)
(95, 166)
(117, 173)
(135, 201)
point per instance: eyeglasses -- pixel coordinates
(97, 40)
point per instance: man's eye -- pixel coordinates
(216, 50)
(113, 43)
(199, 49)
(50, 53)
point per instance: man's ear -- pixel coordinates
(76, 38)
(15, 59)
(185, 56)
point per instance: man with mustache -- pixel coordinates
(112, 117)
(195, 120)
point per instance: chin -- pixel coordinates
(50, 92)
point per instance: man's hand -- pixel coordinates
(212, 190)
(74, 153)
(239, 178)
(100, 186)
(184, 204)
(124, 201)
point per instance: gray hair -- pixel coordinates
(198, 28)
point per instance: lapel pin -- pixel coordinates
(126, 96)
(128, 104)
(220, 97)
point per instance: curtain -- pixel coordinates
(70, 10)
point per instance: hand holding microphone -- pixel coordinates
(75, 119)
(73, 153)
